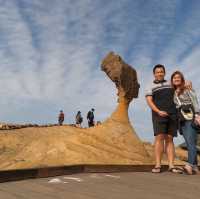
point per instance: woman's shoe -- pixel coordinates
(175, 170)
(188, 170)
(196, 170)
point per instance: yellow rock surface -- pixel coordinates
(112, 142)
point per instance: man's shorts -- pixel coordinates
(167, 125)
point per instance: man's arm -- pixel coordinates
(154, 107)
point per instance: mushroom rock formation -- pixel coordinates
(112, 142)
(125, 79)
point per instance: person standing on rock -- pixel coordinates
(90, 118)
(61, 118)
(164, 117)
(79, 119)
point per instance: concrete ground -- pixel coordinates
(137, 185)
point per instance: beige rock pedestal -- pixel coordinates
(112, 142)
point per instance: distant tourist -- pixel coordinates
(79, 119)
(61, 118)
(90, 118)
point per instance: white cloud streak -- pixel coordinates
(50, 54)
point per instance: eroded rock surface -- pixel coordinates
(112, 142)
(123, 75)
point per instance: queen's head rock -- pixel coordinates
(123, 75)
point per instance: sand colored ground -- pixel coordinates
(124, 185)
(180, 159)
(53, 146)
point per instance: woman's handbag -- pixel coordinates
(185, 111)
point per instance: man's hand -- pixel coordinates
(162, 114)
(154, 108)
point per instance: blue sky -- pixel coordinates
(51, 50)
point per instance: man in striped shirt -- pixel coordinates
(160, 99)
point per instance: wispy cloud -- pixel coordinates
(50, 54)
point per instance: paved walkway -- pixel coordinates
(105, 186)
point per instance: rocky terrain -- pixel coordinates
(113, 142)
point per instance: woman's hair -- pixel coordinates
(182, 86)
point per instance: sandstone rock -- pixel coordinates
(112, 142)
(180, 157)
(123, 75)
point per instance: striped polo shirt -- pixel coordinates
(163, 96)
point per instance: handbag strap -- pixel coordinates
(178, 100)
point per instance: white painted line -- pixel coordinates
(112, 176)
(55, 180)
(73, 178)
(95, 176)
